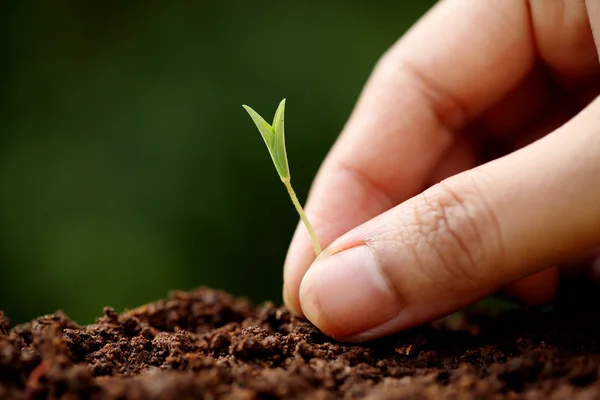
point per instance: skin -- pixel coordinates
(419, 212)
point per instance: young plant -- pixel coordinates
(274, 138)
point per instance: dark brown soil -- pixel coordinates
(206, 344)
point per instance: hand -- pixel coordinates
(470, 77)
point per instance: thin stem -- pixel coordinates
(309, 228)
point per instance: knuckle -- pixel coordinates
(453, 223)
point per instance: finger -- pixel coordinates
(563, 32)
(539, 288)
(585, 265)
(568, 62)
(462, 239)
(416, 99)
(564, 41)
(536, 289)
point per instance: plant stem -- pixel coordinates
(309, 228)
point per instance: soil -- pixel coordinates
(206, 344)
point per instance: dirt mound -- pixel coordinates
(205, 344)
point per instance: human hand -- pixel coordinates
(469, 77)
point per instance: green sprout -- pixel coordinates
(274, 137)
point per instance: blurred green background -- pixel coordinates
(128, 167)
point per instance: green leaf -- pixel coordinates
(279, 153)
(274, 137)
(263, 127)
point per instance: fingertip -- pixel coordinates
(297, 261)
(292, 304)
(346, 296)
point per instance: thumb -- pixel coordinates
(462, 239)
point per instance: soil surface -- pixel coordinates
(206, 344)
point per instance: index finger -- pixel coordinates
(461, 58)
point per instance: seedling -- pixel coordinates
(274, 137)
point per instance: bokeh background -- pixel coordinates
(128, 167)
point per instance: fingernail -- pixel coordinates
(346, 294)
